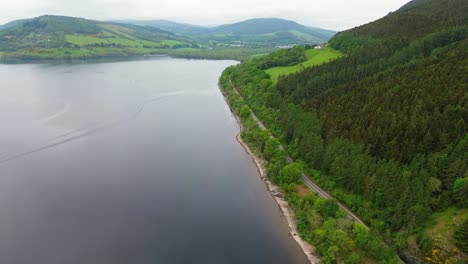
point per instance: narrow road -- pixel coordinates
(322, 193)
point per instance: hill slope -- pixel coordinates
(58, 37)
(13, 23)
(280, 31)
(170, 26)
(385, 125)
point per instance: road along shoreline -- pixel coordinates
(275, 192)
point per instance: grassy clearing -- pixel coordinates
(81, 40)
(315, 57)
(112, 27)
(260, 55)
(84, 40)
(170, 42)
(443, 224)
(109, 38)
(125, 42)
(303, 191)
(440, 229)
(299, 34)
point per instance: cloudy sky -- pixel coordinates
(331, 14)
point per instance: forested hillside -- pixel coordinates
(384, 128)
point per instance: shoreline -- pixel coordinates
(307, 249)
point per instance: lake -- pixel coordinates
(129, 162)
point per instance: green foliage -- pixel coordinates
(373, 245)
(425, 243)
(291, 173)
(245, 112)
(353, 259)
(348, 42)
(460, 192)
(274, 168)
(271, 148)
(284, 57)
(326, 207)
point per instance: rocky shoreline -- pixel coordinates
(275, 192)
(287, 212)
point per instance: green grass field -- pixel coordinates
(171, 42)
(92, 40)
(314, 57)
(441, 227)
(299, 34)
(112, 37)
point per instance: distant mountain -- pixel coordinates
(13, 23)
(174, 27)
(258, 26)
(60, 36)
(257, 32)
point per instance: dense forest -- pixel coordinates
(384, 128)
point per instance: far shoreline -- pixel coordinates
(237, 54)
(90, 60)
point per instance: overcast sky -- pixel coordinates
(331, 14)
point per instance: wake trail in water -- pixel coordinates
(56, 115)
(86, 131)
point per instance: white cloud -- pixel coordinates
(333, 14)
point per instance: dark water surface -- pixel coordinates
(129, 162)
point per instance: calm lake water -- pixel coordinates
(129, 162)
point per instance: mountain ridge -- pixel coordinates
(256, 30)
(251, 33)
(168, 25)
